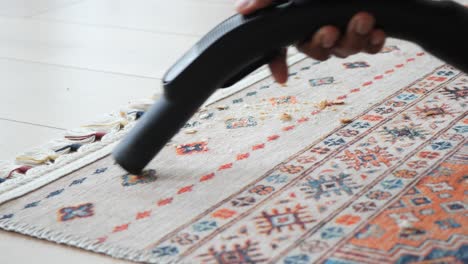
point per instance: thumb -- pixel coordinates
(249, 6)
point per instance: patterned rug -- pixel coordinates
(362, 160)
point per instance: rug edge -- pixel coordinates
(74, 241)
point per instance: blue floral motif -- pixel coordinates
(332, 232)
(7, 216)
(357, 64)
(165, 251)
(277, 179)
(77, 182)
(322, 81)
(298, 259)
(329, 185)
(411, 132)
(384, 110)
(100, 170)
(445, 73)
(365, 144)
(392, 184)
(251, 93)
(205, 226)
(237, 101)
(407, 97)
(54, 193)
(461, 129)
(334, 142)
(360, 124)
(73, 212)
(442, 145)
(31, 205)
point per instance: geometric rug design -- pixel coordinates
(362, 160)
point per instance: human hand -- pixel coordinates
(360, 36)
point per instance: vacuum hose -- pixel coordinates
(241, 44)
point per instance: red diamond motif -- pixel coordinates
(390, 71)
(367, 83)
(341, 97)
(185, 189)
(207, 177)
(275, 137)
(355, 90)
(225, 167)
(143, 215)
(243, 156)
(259, 146)
(288, 128)
(303, 120)
(120, 228)
(165, 202)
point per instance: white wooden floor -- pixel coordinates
(64, 62)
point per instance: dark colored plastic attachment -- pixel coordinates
(241, 44)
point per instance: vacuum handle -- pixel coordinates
(241, 44)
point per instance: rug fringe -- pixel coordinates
(77, 147)
(79, 242)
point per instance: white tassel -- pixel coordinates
(37, 157)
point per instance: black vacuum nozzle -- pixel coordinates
(241, 44)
